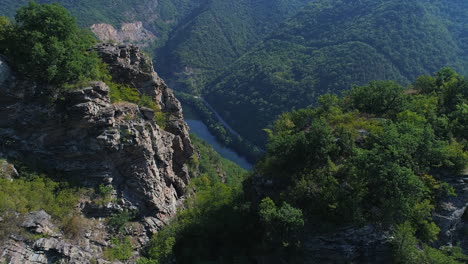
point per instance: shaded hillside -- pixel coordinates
(330, 46)
(216, 34)
(159, 16)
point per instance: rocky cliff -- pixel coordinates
(86, 137)
(128, 33)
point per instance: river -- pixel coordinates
(199, 128)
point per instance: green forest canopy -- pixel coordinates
(379, 154)
(330, 46)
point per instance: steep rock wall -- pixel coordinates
(84, 135)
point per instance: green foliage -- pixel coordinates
(121, 249)
(369, 156)
(125, 93)
(34, 192)
(281, 223)
(105, 194)
(378, 98)
(4, 26)
(408, 251)
(46, 45)
(120, 92)
(329, 46)
(216, 35)
(208, 163)
(118, 221)
(216, 224)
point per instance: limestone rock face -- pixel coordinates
(85, 136)
(350, 245)
(45, 251)
(5, 72)
(128, 33)
(39, 222)
(451, 214)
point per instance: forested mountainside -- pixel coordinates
(377, 175)
(330, 46)
(216, 34)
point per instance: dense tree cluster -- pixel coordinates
(379, 144)
(330, 46)
(215, 35)
(45, 44)
(379, 154)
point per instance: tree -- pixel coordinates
(283, 223)
(378, 97)
(4, 24)
(46, 45)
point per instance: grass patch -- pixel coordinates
(124, 93)
(121, 249)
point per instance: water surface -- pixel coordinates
(199, 128)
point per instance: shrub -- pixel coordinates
(407, 249)
(124, 93)
(121, 249)
(46, 45)
(75, 226)
(118, 221)
(37, 193)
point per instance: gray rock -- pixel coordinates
(5, 72)
(7, 170)
(451, 214)
(87, 137)
(362, 245)
(40, 222)
(45, 251)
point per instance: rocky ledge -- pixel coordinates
(85, 136)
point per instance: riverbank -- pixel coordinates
(198, 128)
(219, 128)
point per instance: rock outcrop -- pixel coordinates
(451, 214)
(85, 136)
(49, 247)
(134, 33)
(365, 245)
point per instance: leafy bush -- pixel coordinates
(46, 45)
(118, 221)
(121, 249)
(282, 224)
(124, 93)
(36, 192)
(74, 226)
(407, 249)
(214, 226)
(377, 154)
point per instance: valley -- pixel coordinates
(199, 128)
(233, 132)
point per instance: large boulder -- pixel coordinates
(39, 222)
